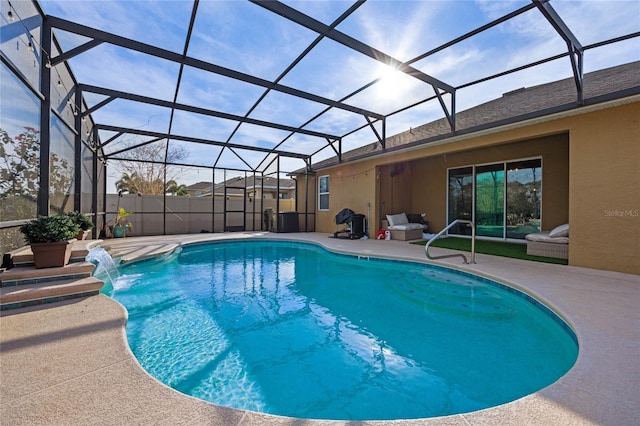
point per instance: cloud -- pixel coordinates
(159, 23)
(202, 126)
(302, 143)
(496, 9)
(132, 72)
(245, 37)
(398, 29)
(593, 21)
(215, 92)
(282, 108)
(258, 136)
(337, 122)
(323, 11)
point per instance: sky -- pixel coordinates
(245, 37)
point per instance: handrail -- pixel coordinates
(473, 243)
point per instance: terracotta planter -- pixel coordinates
(49, 255)
(82, 235)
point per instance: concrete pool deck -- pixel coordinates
(69, 363)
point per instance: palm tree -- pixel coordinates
(128, 183)
(174, 189)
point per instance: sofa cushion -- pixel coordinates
(543, 237)
(560, 231)
(397, 219)
(406, 227)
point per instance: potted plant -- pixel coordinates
(83, 222)
(119, 227)
(51, 239)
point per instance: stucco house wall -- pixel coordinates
(351, 186)
(604, 202)
(429, 175)
(591, 164)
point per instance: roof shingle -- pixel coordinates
(516, 105)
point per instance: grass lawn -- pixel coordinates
(494, 248)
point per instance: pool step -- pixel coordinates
(23, 275)
(128, 253)
(20, 296)
(27, 286)
(445, 295)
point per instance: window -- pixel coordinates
(323, 193)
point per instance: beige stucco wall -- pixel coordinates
(604, 203)
(429, 189)
(352, 186)
(591, 164)
(420, 185)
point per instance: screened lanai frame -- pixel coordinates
(102, 139)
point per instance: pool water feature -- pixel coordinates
(106, 268)
(292, 329)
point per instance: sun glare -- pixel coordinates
(391, 83)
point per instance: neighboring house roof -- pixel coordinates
(199, 185)
(271, 183)
(518, 105)
(235, 185)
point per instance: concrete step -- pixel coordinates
(25, 275)
(20, 296)
(126, 254)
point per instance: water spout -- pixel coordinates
(106, 267)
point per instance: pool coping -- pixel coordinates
(37, 371)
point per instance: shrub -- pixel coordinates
(81, 220)
(49, 229)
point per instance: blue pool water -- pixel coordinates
(292, 329)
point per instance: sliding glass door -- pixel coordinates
(503, 199)
(489, 216)
(524, 193)
(460, 198)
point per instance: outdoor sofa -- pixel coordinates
(554, 243)
(405, 227)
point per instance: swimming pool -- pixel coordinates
(292, 329)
